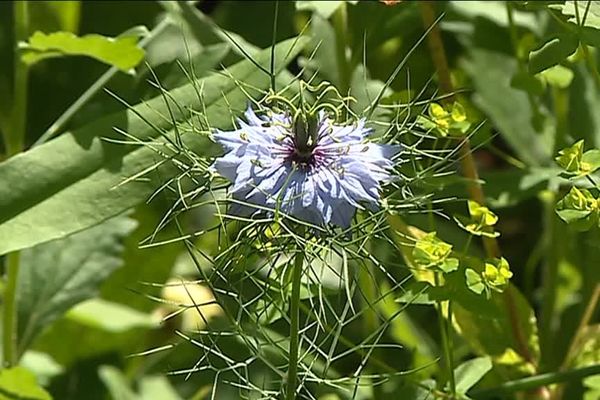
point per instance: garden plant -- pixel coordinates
(326, 200)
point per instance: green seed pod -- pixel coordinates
(305, 132)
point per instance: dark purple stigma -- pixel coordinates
(304, 160)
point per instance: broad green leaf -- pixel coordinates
(590, 161)
(110, 317)
(593, 16)
(152, 264)
(583, 118)
(557, 76)
(508, 109)
(121, 52)
(116, 383)
(552, 52)
(470, 372)
(19, 383)
(43, 366)
(72, 338)
(590, 36)
(324, 8)
(323, 46)
(489, 331)
(80, 169)
(405, 330)
(157, 388)
(529, 83)
(55, 276)
(150, 387)
(365, 91)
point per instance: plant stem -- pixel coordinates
(536, 381)
(584, 48)
(436, 48)
(9, 337)
(446, 341)
(585, 320)
(90, 92)
(15, 136)
(370, 318)
(292, 376)
(469, 169)
(14, 143)
(340, 25)
(449, 355)
(550, 277)
(575, 344)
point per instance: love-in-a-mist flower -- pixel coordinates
(305, 166)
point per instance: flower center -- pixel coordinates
(302, 158)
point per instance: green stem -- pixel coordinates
(449, 355)
(584, 48)
(591, 63)
(9, 338)
(340, 25)
(446, 341)
(292, 376)
(469, 168)
(583, 324)
(94, 89)
(369, 317)
(14, 137)
(14, 143)
(521, 62)
(536, 381)
(549, 279)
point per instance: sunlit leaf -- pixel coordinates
(19, 383)
(43, 366)
(110, 317)
(116, 383)
(324, 8)
(470, 372)
(121, 52)
(558, 76)
(593, 15)
(157, 387)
